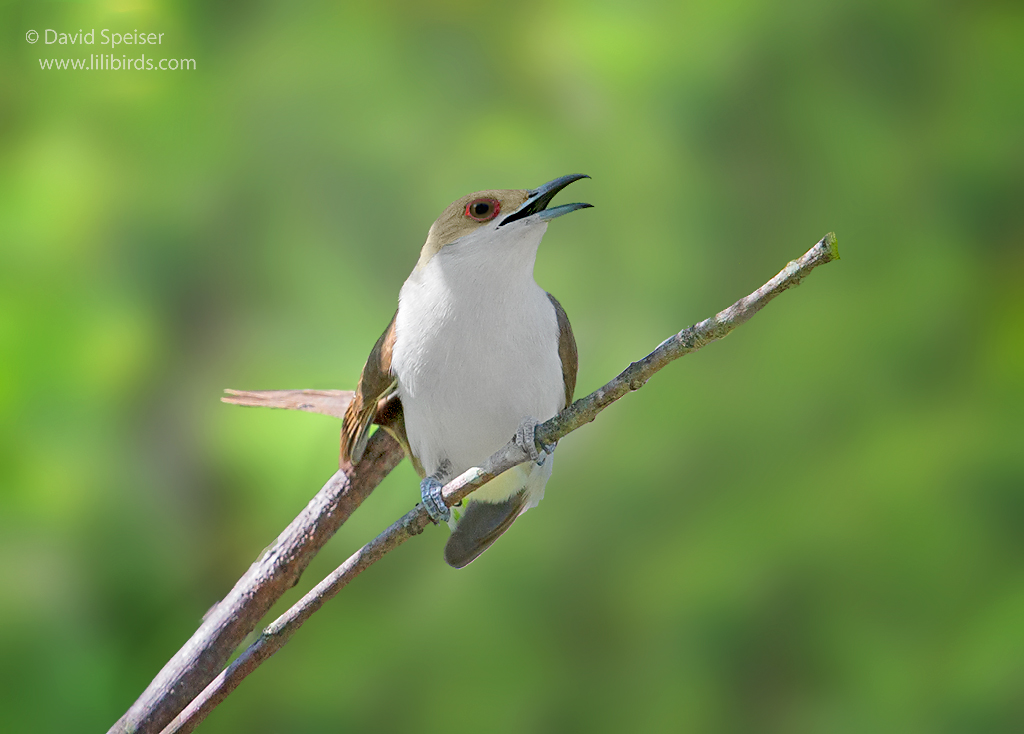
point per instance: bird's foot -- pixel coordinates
(526, 440)
(430, 494)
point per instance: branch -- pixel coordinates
(328, 402)
(276, 570)
(413, 523)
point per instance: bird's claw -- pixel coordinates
(430, 494)
(526, 440)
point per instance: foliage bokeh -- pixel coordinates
(814, 525)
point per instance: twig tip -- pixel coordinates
(832, 243)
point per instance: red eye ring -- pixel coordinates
(483, 210)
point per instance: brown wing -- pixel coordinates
(375, 382)
(566, 350)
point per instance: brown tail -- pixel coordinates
(481, 525)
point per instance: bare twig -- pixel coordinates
(413, 523)
(273, 573)
(328, 402)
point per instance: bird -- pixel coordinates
(477, 353)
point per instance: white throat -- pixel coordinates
(488, 262)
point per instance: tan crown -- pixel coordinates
(455, 223)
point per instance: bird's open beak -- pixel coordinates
(538, 200)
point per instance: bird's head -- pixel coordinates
(496, 215)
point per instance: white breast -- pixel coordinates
(476, 351)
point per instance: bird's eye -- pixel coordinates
(483, 210)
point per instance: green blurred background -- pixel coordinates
(816, 525)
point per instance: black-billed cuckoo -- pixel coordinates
(476, 353)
